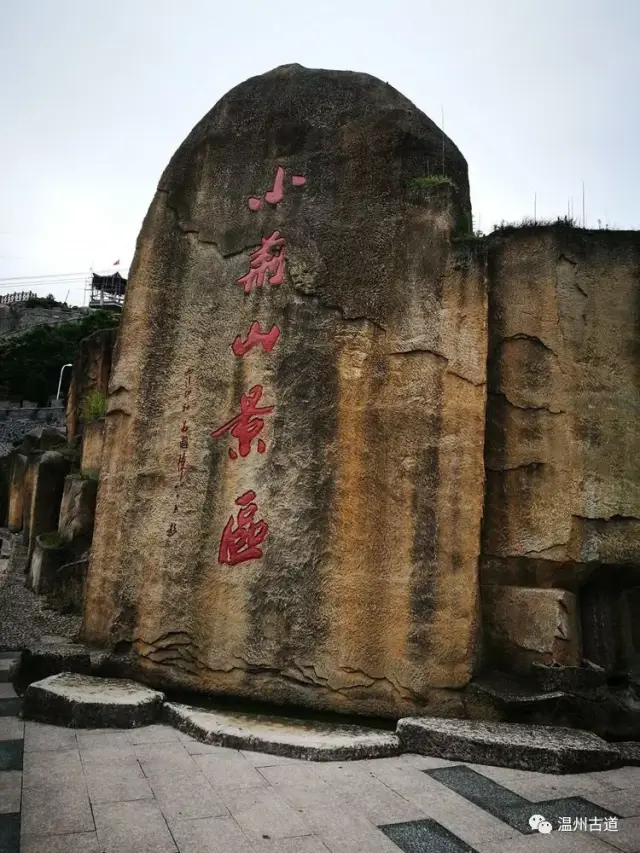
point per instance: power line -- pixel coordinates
(47, 276)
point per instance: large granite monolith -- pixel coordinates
(292, 482)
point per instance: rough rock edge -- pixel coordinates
(630, 751)
(178, 716)
(477, 748)
(46, 706)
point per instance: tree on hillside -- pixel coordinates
(30, 363)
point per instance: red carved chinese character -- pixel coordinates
(172, 529)
(184, 442)
(256, 337)
(185, 407)
(275, 194)
(264, 261)
(248, 424)
(240, 544)
(184, 427)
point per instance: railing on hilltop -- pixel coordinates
(13, 298)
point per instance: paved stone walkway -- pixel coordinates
(156, 790)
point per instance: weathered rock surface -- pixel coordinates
(545, 749)
(562, 441)
(364, 487)
(41, 661)
(77, 511)
(279, 736)
(90, 373)
(82, 701)
(524, 625)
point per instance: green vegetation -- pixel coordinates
(528, 222)
(44, 302)
(464, 228)
(93, 406)
(431, 181)
(30, 363)
(51, 540)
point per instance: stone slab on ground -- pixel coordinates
(82, 701)
(42, 660)
(546, 749)
(309, 740)
(630, 751)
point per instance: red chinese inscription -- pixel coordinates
(276, 193)
(241, 542)
(265, 262)
(256, 337)
(248, 424)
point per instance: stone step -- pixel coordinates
(295, 738)
(547, 749)
(8, 667)
(82, 701)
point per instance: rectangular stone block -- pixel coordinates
(523, 625)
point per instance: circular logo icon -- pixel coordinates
(544, 827)
(535, 820)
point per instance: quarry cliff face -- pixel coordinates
(292, 481)
(562, 507)
(351, 460)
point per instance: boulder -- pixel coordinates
(292, 481)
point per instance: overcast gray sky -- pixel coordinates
(96, 95)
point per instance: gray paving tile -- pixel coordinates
(11, 728)
(553, 810)
(344, 832)
(627, 838)
(194, 747)
(10, 707)
(187, 798)
(623, 777)
(306, 844)
(155, 733)
(78, 842)
(50, 767)
(104, 740)
(10, 790)
(135, 827)
(357, 785)
(545, 786)
(623, 801)
(263, 759)
(7, 691)
(158, 759)
(461, 817)
(303, 775)
(11, 754)
(261, 811)
(116, 781)
(425, 836)
(56, 809)
(39, 737)
(226, 773)
(423, 762)
(10, 833)
(555, 842)
(210, 835)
